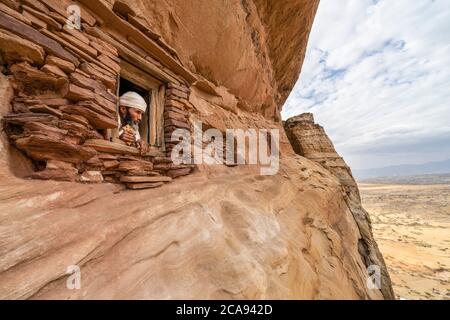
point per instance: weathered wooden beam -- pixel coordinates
(160, 118)
(137, 76)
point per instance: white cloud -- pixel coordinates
(377, 77)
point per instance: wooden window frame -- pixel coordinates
(157, 90)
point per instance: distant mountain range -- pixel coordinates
(404, 170)
(422, 179)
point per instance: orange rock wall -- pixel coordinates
(253, 48)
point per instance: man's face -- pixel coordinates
(135, 115)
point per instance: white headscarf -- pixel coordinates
(133, 100)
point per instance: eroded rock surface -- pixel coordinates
(237, 235)
(310, 140)
(219, 233)
(253, 48)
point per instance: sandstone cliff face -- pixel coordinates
(222, 232)
(310, 141)
(229, 236)
(253, 48)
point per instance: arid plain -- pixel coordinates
(411, 224)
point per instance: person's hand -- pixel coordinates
(143, 146)
(128, 137)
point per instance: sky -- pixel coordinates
(377, 77)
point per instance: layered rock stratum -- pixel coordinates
(225, 233)
(310, 140)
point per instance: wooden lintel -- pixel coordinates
(132, 57)
(137, 76)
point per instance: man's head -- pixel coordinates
(133, 106)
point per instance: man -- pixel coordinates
(132, 108)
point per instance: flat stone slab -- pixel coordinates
(117, 148)
(139, 186)
(144, 179)
(110, 147)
